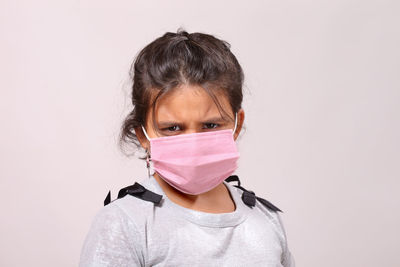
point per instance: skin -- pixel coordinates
(191, 108)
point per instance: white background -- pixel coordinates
(322, 95)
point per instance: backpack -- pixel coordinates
(139, 191)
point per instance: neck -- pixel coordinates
(216, 200)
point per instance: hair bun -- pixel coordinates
(183, 33)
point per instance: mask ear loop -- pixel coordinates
(148, 157)
(145, 133)
(234, 129)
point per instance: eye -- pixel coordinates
(211, 125)
(171, 129)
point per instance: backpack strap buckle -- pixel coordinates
(249, 197)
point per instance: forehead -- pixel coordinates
(190, 103)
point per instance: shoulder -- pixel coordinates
(113, 239)
(261, 207)
(117, 234)
(134, 209)
(114, 218)
(136, 202)
(125, 216)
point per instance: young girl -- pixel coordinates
(191, 210)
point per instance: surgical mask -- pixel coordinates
(197, 162)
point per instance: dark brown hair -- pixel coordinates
(175, 59)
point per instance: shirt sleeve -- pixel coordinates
(112, 240)
(287, 257)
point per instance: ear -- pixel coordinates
(240, 120)
(142, 138)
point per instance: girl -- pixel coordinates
(187, 115)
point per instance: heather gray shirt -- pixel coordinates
(133, 232)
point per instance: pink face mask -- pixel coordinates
(197, 162)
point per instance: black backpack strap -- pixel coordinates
(136, 190)
(249, 197)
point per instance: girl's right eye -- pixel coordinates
(171, 129)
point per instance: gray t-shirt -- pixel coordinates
(132, 232)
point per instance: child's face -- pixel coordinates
(189, 109)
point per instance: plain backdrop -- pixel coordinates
(321, 97)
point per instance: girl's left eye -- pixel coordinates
(211, 125)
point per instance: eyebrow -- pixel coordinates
(172, 123)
